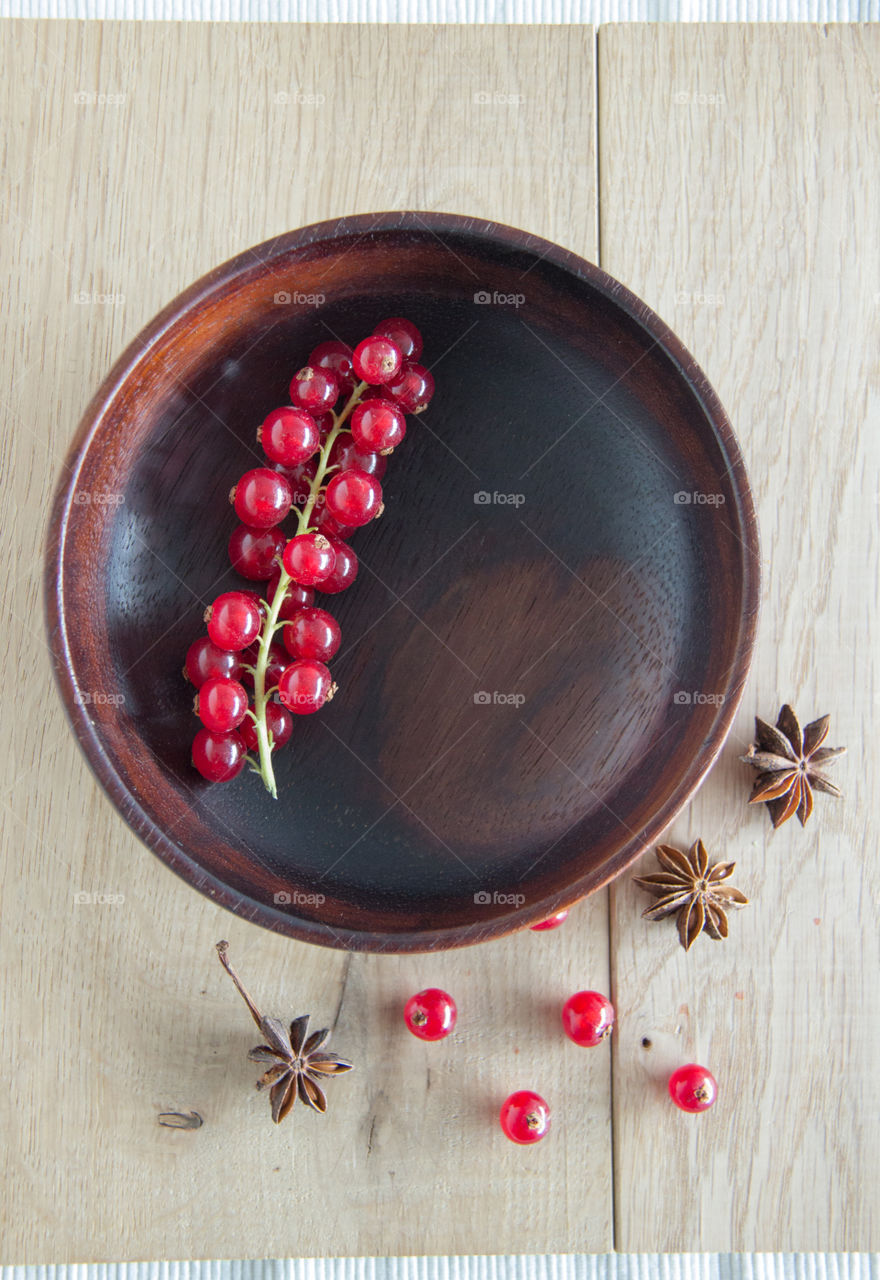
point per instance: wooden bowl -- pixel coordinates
(551, 627)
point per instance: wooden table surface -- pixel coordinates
(728, 175)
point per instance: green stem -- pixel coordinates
(271, 625)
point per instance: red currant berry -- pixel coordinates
(323, 522)
(587, 1018)
(234, 620)
(553, 922)
(278, 721)
(323, 421)
(205, 660)
(335, 358)
(431, 1014)
(254, 552)
(376, 360)
(276, 661)
(403, 334)
(262, 498)
(413, 388)
(348, 456)
(312, 633)
(295, 597)
(353, 497)
(309, 558)
(221, 704)
(525, 1117)
(289, 436)
(344, 570)
(305, 686)
(219, 757)
(377, 425)
(314, 389)
(693, 1088)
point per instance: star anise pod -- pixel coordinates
(791, 765)
(689, 888)
(298, 1068)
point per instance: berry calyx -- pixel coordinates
(305, 686)
(262, 498)
(315, 389)
(221, 704)
(588, 1018)
(279, 723)
(219, 757)
(413, 388)
(234, 620)
(376, 360)
(404, 335)
(335, 358)
(309, 558)
(289, 436)
(552, 922)
(254, 552)
(312, 633)
(693, 1088)
(344, 570)
(377, 425)
(204, 660)
(430, 1015)
(353, 497)
(525, 1117)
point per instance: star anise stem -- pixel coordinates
(222, 952)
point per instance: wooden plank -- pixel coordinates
(740, 172)
(137, 157)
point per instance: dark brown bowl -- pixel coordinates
(530, 688)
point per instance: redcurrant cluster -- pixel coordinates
(328, 451)
(587, 1019)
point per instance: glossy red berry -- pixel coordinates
(219, 757)
(525, 1117)
(349, 456)
(588, 1018)
(552, 922)
(234, 620)
(413, 388)
(335, 358)
(324, 522)
(262, 498)
(431, 1014)
(353, 497)
(377, 425)
(278, 658)
(204, 659)
(254, 552)
(289, 436)
(279, 722)
(295, 597)
(344, 570)
(314, 389)
(693, 1088)
(221, 704)
(305, 686)
(312, 633)
(403, 334)
(376, 360)
(309, 558)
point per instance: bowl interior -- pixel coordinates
(551, 621)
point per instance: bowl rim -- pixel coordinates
(261, 256)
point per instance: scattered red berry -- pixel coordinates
(335, 358)
(262, 498)
(219, 757)
(344, 570)
(234, 620)
(525, 1117)
(305, 686)
(377, 425)
(353, 497)
(254, 552)
(403, 334)
(376, 360)
(309, 558)
(693, 1088)
(204, 660)
(314, 389)
(552, 922)
(587, 1018)
(221, 704)
(289, 436)
(279, 722)
(412, 388)
(431, 1014)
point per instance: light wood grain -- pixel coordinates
(740, 178)
(115, 1012)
